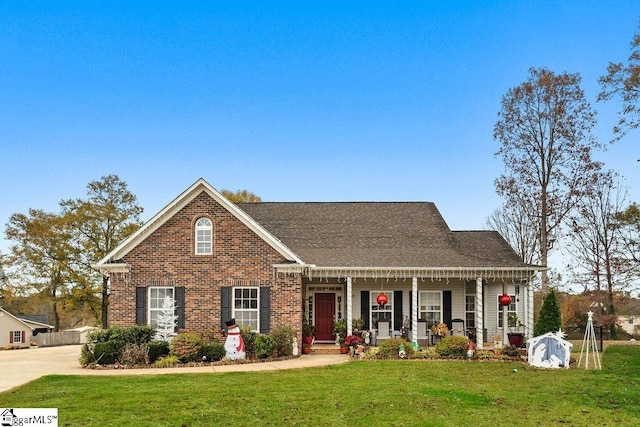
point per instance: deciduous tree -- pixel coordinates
(241, 196)
(544, 131)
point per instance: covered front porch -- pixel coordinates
(465, 300)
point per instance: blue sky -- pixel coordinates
(294, 101)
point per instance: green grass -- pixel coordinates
(395, 393)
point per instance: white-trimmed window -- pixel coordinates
(204, 233)
(17, 336)
(470, 306)
(511, 309)
(430, 307)
(246, 307)
(381, 313)
(156, 300)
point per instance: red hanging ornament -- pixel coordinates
(382, 299)
(505, 300)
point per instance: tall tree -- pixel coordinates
(628, 223)
(518, 228)
(623, 81)
(241, 196)
(44, 258)
(595, 240)
(109, 214)
(544, 129)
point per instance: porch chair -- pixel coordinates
(384, 331)
(457, 328)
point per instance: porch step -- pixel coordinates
(325, 349)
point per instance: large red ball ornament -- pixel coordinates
(505, 300)
(382, 299)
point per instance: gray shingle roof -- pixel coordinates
(379, 234)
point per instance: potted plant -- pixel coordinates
(439, 330)
(340, 330)
(308, 331)
(357, 325)
(516, 330)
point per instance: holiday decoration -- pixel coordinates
(234, 344)
(505, 300)
(382, 299)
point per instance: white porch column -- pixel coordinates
(349, 307)
(479, 314)
(414, 310)
(529, 316)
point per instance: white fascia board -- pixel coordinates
(178, 203)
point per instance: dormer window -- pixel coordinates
(204, 236)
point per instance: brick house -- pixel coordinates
(275, 264)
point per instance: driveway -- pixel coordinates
(21, 366)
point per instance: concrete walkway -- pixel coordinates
(21, 366)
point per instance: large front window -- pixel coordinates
(430, 304)
(157, 296)
(381, 313)
(246, 306)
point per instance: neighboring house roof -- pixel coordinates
(28, 323)
(631, 307)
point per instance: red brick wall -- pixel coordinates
(238, 254)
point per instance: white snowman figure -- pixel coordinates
(234, 344)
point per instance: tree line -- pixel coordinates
(556, 192)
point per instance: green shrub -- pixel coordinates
(213, 351)
(265, 346)
(249, 338)
(549, 319)
(87, 357)
(157, 349)
(390, 348)
(167, 362)
(135, 354)
(185, 347)
(106, 353)
(283, 338)
(452, 346)
(118, 337)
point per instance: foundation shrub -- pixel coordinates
(265, 346)
(167, 362)
(452, 346)
(283, 338)
(213, 351)
(249, 338)
(106, 353)
(185, 347)
(157, 349)
(390, 348)
(135, 354)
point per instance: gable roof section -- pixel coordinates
(111, 262)
(380, 234)
(26, 323)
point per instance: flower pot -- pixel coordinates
(344, 349)
(308, 340)
(516, 339)
(306, 349)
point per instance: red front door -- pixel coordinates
(325, 308)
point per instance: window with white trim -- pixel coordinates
(204, 234)
(156, 300)
(511, 309)
(430, 307)
(381, 313)
(17, 336)
(470, 306)
(246, 307)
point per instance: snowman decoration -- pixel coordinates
(234, 344)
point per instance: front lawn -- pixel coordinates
(398, 393)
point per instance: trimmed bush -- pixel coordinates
(213, 351)
(265, 346)
(452, 346)
(390, 348)
(106, 353)
(157, 349)
(87, 357)
(283, 338)
(185, 347)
